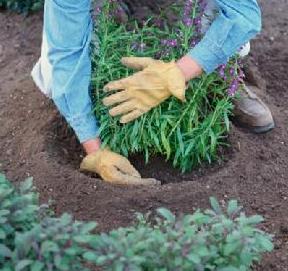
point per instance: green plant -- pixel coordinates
(22, 5)
(31, 239)
(217, 239)
(18, 210)
(186, 133)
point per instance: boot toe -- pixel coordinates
(253, 114)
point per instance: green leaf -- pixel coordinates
(215, 205)
(228, 268)
(5, 251)
(231, 248)
(37, 266)
(27, 185)
(266, 243)
(119, 267)
(256, 219)
(90, 256)
(227, 122)
(101, 260)
(88, 227)
(83, 238)
(165, 141)
(232, 207)
(194, 258)
(71, 251)
(246, 258)
(4, 212)
(203, 251)
(180, 140)
(2, 233)
(23, 264)
(66, 219)
(199, 218)
(166, 214)
(49, 246)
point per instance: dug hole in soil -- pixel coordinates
(35, 141)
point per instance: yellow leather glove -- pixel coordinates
(145, 89)
(114, 168)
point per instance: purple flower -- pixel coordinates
(197, 21)
(164, 42)
(189, 7)
(221, 71)
(173, 43)
(233, 87)
(170, 43)
(188, 21)
(140, 47)
(232, 71)
(194, 41)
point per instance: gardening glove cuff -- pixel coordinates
(114, 168)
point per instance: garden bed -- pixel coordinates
(34, 141)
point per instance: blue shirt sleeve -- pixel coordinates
(68, 30)
(237, 22)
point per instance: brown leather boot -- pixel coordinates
(251, 112)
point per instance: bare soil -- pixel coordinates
(35, 141)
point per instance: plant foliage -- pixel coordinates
(22, 5)
(186, 133)
(31, 239)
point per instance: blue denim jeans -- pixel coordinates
(64, 69)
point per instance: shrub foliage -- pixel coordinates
(22, 5)
(217, 239)
(186, 133)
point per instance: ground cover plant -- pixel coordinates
(22, 5)
(217, 239)
(186, 133)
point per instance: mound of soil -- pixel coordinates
(35, 141)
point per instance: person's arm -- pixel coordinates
(237, 22)
(68, 30)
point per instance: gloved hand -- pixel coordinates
(145, 89)
(114, 168)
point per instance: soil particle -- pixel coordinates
(35, 141)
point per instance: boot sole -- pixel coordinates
(256, 129)
(263, 129)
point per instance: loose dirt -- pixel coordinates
(35, 141)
